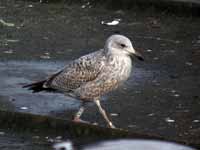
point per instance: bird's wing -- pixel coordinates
(102, 84)
(78, 72)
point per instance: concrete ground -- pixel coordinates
(162, 96)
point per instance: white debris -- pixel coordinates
(23, 108)
(2, 133)
(83, 6)
(45, 56)
(36, 137)
(6, 23)
(149, 50)
(30, 6)
(95, 123)
(58, 137)
(188, 63)
(169, 120)
(176, 95)
(12, 40)
(112, 23)
(155, 58)
(131, 126)
(173, 91)
(196, 121)
(8, 52)
(152, 114)
(114, 114)
(63, 146)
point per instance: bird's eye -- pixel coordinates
(122, 45)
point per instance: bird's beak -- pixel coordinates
(136, 54)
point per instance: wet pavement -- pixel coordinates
(162, 96)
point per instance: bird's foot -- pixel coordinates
(78, 120)
(111, 125)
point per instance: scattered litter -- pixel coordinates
(50, 140)
(152, 114)
(176, 95)
(2, 133)
(188, 63)
(95, 123)
(114, 114)
(36, 137)
(6, 23)
(149, 50)
(159, 39)
(137, 92)
(11, 40)
(169, 120)
(173, 91)
(23, 108)
(169, 51)
(30, 6)
(58, 137)
(83, 6)
(45, 38)
(45, 56)
(8, 52)
(196, 121)
(112, 23)
(131, 126)
(155, 58)
(186, 110)
(64, 145)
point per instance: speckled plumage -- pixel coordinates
(91, 76)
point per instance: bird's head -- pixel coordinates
(121, 45)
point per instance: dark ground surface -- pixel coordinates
(161, 97)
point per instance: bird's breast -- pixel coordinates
(120, 67)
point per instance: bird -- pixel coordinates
(93, 75)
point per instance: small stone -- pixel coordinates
(169, 120)
(95, 123)
(114, 114)
(23, 108)
(188, 63)
(8, 52)
(50, 140)
(45, 57)
(36, 137)
(176, 95)
(58, 137)
(152, 114)
(2, 133)
(196, 121)
(30, 6)
(149, 50)
(131, 126)
(155, 58)
(83, 6)
(173, 91)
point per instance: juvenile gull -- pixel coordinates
(93, 75)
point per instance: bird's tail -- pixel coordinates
(36, 87)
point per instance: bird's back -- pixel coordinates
(77, 72)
